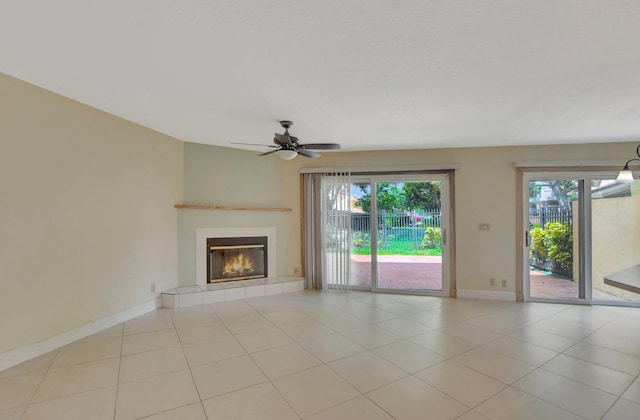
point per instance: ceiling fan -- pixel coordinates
(288, 146)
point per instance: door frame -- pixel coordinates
(523, 292)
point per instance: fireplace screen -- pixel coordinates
(236, 258)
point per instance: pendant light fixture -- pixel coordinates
(625, 174)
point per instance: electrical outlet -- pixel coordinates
(492, 281)
(153, 287)
(484, 226)
(504, 282)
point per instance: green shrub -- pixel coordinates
(432, 238)
(554, 245)
(560, 237)
(538, 249)
(360, 240)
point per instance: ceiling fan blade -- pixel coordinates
(269, 152)
(321, 146)
(254, 144)
(308, 153)
(282, 139)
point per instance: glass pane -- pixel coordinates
(360, 235)
(409, 235)
(615, 233)
(554, 232)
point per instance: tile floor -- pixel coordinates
(339, 355)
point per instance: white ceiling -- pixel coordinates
(369, 74)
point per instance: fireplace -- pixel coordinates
(203, 251)
(236, 258)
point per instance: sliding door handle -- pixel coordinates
(527, 239)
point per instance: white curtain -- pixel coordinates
(337, 230)
(328, 230)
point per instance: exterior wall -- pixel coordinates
(86, 216)
(616, 239)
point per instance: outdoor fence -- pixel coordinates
(401, 226)
(540, 217)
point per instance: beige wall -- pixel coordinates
(86, 215)
(220, 176)
(223, 176)
(485, 191)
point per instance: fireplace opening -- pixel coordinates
(238, 258)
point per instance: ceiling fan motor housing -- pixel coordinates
(286, 124)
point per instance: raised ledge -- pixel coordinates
(182, 297)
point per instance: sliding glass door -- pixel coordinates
(386, 233)
(553, 213)
(397, 233)
(582, 238)
(410, 219)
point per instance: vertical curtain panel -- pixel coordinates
(313, 258)
(327, 206)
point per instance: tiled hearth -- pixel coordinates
(227, 291)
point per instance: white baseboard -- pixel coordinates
(486, 294)
(30, 351)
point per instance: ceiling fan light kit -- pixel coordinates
(288, 146)
(287, 154)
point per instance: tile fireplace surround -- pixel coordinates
(206, 293)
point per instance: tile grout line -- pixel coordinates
(326, 364)
(173, 321)
(115, 402)
(26, 407)
(268, 380)
(371, 350)
(621, 394)
(262, 371)
(409, 374)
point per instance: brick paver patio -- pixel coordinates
(549, 286)
(406, 272)
(409, 272)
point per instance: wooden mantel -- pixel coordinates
(196, 207)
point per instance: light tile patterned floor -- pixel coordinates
(340, 355)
